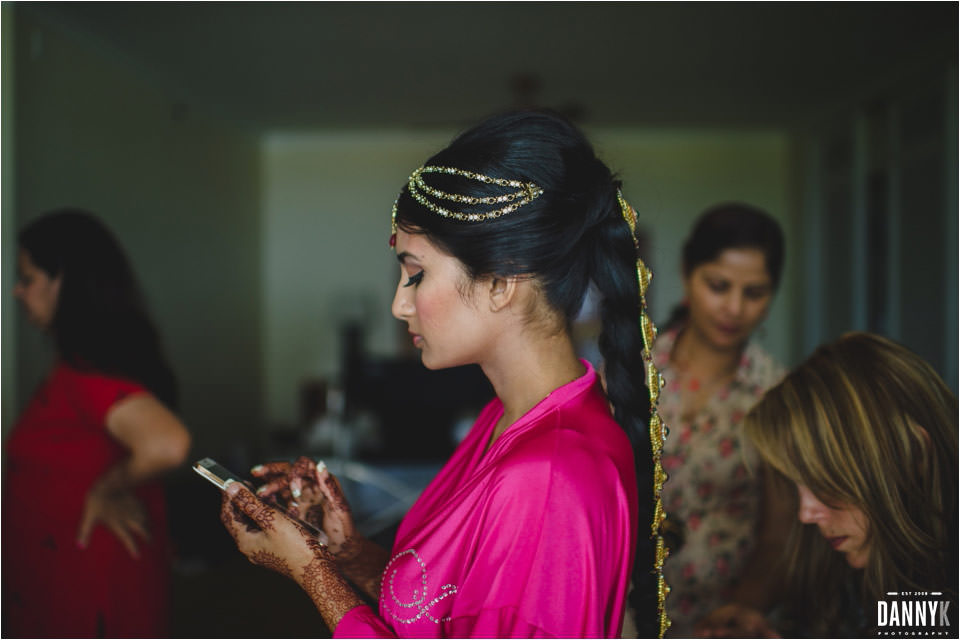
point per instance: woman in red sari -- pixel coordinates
(85, 545)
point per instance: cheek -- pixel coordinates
(861, 523)
(703, 300)
(758, 310)
(433, 309)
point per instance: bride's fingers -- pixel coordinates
(274, 488)
(270, 469)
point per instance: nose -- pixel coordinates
(733, 303)
(811, 510)
(402, 307)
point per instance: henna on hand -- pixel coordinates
(330, 593)
(262, 515)
(281, 543)
(271, 561)
(365, 565)
(314, 516)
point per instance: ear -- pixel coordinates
(502, 291)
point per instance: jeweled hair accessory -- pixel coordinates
(525, 193)
(658, 429)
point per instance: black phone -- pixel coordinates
(221, 476)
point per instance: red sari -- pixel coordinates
(51, 588)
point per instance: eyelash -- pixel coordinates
(718, 287)
(414, 280)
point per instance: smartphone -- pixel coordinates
(215, 472)
(219, 475)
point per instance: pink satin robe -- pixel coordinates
(534, 538)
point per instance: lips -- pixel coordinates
(417, 339)
(837, 541)
(728, 329)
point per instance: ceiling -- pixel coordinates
(365, 64)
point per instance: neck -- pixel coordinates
(524, 369)
(696, 356)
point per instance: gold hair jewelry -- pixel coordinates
(525, 193)
(657, 428)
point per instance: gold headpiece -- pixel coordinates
(657, 428)
(526, 192)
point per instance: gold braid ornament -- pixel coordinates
(657, 428)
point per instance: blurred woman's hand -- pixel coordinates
(156, 441)
(119, 511)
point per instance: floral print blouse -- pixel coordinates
(714, 492)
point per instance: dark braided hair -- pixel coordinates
(101, 323)
(571, 235)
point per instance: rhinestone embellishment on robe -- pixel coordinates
(405, 600)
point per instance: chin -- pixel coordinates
(726, 341)
(857, 560)
(431, 363)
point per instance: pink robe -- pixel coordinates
(534, 538)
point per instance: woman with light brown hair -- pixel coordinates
(867, 431)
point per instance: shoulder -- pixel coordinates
(94, 391)
(760, 367)
(576, 450)
(663, 346)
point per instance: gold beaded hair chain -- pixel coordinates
(525, 193)
(657, 428)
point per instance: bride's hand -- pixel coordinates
(267, 536)
(310, 492)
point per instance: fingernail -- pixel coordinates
(231, 487)
(257, 469)
(262, 490)
(321, 466)
(295, 492)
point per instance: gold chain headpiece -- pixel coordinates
(525, 193)
(657, 428)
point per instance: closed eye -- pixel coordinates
(717, 286)
(414, 280)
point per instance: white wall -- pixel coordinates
(326, 223)
(181, 192)
(326, 211)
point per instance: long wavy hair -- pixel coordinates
(572, 234)
(867, 423)
(101, 322)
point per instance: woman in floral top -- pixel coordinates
(721, 551)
